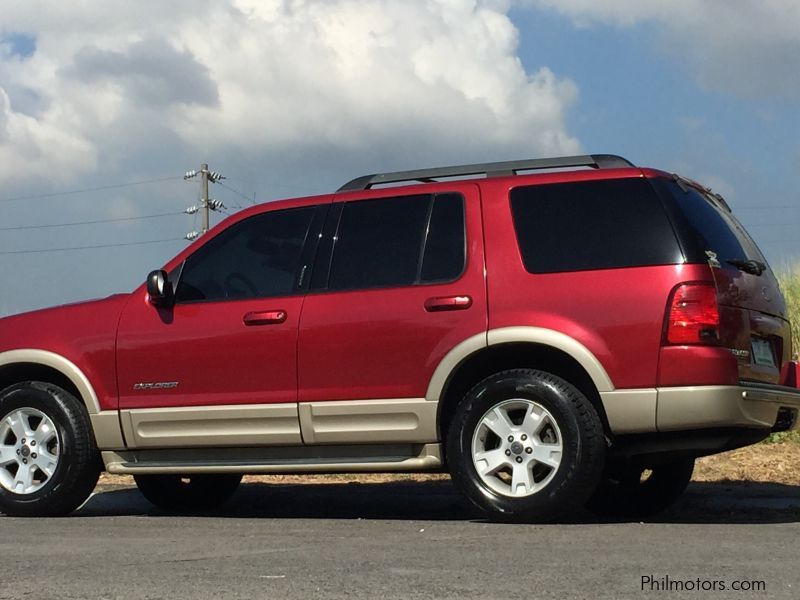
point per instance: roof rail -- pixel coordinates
(495, 169)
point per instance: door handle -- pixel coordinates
(441, 303)
(265, 317)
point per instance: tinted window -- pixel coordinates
(398, 241)
(712, 227)
(445, 246)
(592, 225)
(255, 258)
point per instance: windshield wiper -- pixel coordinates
(753, 267)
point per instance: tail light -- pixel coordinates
(693, 315)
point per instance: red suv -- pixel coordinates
(557, 333)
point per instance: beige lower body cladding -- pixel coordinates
(415, 420)
(407, 420)
(703, 407)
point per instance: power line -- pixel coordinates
(43, 250)
(97, 222)
(92, 189)
(767, 207)
(237, 192)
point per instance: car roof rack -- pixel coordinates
(495, 169)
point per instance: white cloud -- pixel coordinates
(414, 82)
(31, 148)
(748, 47)
(5, 115)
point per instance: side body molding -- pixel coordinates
(105, 423)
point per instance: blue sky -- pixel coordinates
(639, 100)
(292, 98)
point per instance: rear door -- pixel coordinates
(753, 321)
(404, 285)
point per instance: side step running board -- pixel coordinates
(294, 459)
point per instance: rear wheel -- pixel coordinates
(49, 463)
(628, 490)
(187, 493)
(525, 445)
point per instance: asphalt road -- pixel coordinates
(399, 540)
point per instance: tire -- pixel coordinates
(624, 492)
(534, 482)
(188, 493)
(61, 460)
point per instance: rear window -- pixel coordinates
(587, 225)
(711, 228)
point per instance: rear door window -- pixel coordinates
(445, 243)
(398, 241)
(586, 225)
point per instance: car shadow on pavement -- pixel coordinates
(712, 503)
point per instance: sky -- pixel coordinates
(104, 105)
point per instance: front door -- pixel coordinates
(219, 368)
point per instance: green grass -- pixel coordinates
(784, 437)
(789, 278)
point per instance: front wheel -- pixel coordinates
(188, 493)
(635, 491)
(49, 463)
(525, 445)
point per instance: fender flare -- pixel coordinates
(506, 335)
(57, 362)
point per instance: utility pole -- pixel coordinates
(206, 204)
(204, 199)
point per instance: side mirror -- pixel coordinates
(159, 289)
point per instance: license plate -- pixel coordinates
(762, 352)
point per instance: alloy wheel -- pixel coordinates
(517, 447)
(29, 450)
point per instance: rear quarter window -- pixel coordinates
(708, 226)
(601, 224)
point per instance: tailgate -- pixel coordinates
(753, 323)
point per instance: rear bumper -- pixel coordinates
(651, 449)
(746, 406)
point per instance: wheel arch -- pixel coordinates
(43, 365)
(516, 347)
